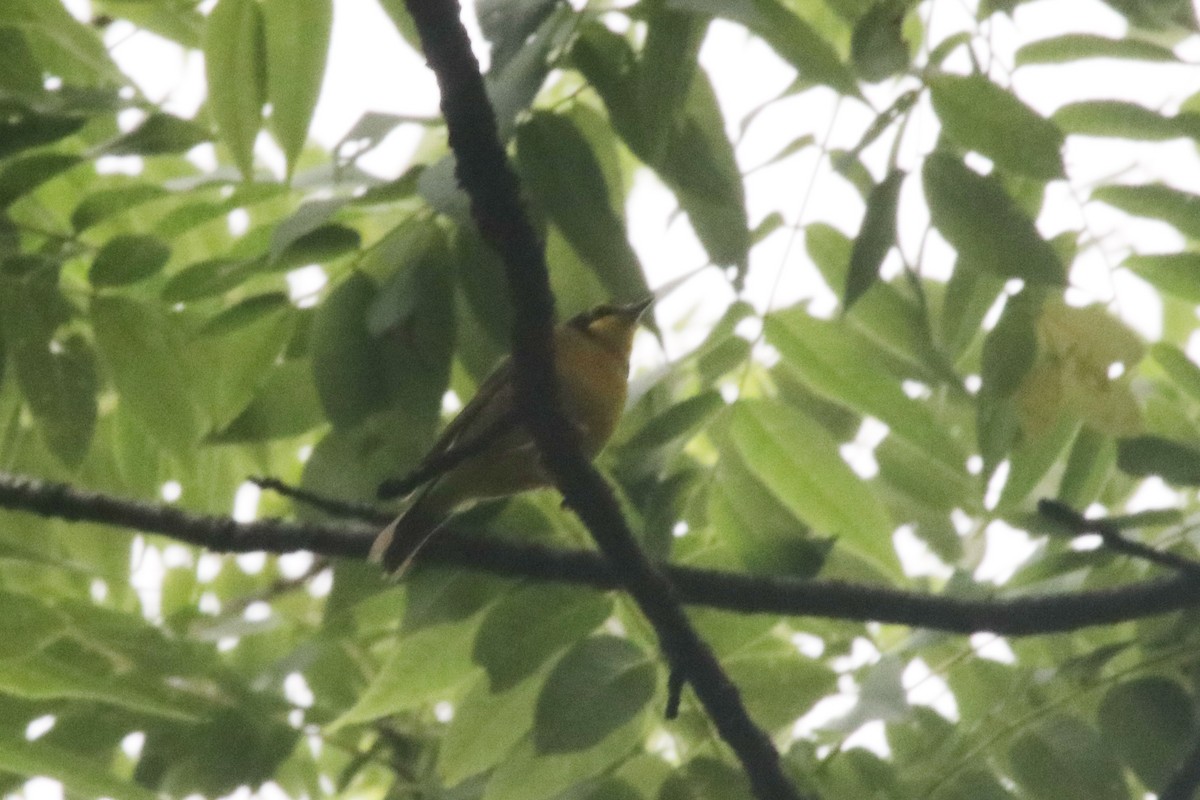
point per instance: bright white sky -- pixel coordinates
(372, 69)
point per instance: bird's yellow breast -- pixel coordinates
(593, 378)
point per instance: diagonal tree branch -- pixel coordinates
(483, 171)
(728, 591)
(1114, 540)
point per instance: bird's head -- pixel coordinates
(612, 325)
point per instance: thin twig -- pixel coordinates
(1113, 539)
(342, 509)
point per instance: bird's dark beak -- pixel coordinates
(636, 310)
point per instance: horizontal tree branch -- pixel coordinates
(730, 591)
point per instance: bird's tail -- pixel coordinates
(398, 543)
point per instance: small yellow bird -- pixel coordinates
(488, 452)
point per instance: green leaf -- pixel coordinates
(28, 625)
(1064, 759)
(793, 39)
(178, 24)
(351, 462)
(526, 774)
(969, 295)
(1077, 46)
(598, 686)
(1011, 347)
(1176, 462)
(1032, 460)
(62, 43)
(369, 132)
(207, 278)
(768, 225)
(875, 238)
(59, 382)
(423, 667)
(946, 46)
(24, 128)
(80, 776)
(1089, 466)
(603, 788)
(297, 36)
(242, 742)
(697, 163)
(923, 476)
(778, 684)
(128, 259)
(32, 306)
(706, 778)
(666, 70)
(881, 697)
(608, 63)
(375, 348)
(105, 203)
(978, 115)
(308, 218)
(435, 597)
(513, 86)
(348, 382)
(795, 458)
(22, 176)
(1167, 16)
(766, 536)
(889, 316)
(285, 405)
(1173, 206)
(404, 23)
(20, 72)
(565, 179)
(244, 313)
(1182, 371)
(235, 65)
(400, 188)
(508, 24)
(1124, 120)
(320, 246)
(997, 427)
(1148, 722)
(699, 166)
(141, 351)
(234, 350)
(486, 726)
(847, 164)
(877, 45)
(42, 677)
(159, 133)
(843, 366)
(682, 419)
(530, 625)
(1176, 274)
(985, 226)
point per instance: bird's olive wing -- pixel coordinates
(490, 413)
(489, 416)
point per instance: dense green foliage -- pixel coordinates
(143, 345)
